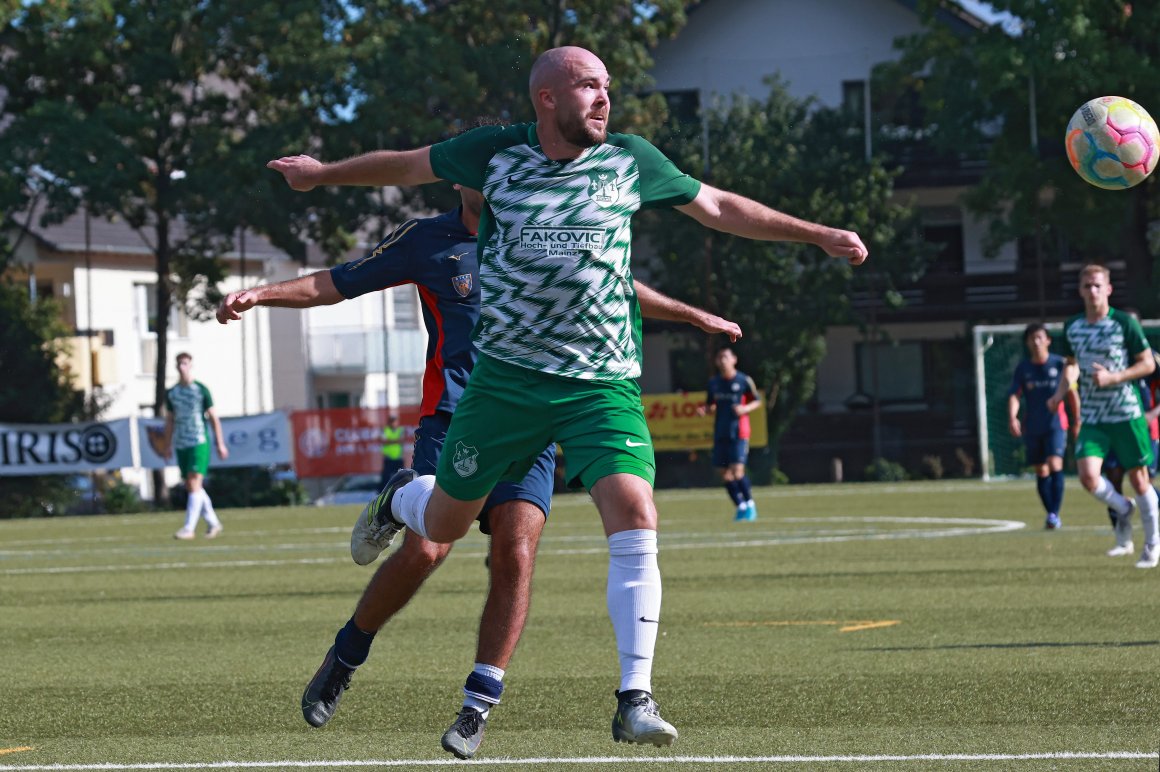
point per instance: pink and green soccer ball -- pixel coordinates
(1112, 143)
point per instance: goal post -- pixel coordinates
(998, 348)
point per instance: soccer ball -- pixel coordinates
(1112, 143)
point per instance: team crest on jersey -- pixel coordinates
(602, 187)
(466, 459)
(462, 284)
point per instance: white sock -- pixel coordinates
(1149, 504)
(192, 511)
(211, 518)
(1106, 493)
(409, 503)
(634, 604)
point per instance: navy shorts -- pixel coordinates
(1041, 446)
(536, 486)
(727, 452)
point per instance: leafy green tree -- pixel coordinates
(810, 163)
(1007, 93)
(143, 111)
(423, 71)
(34, 388)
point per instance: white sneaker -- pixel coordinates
(185, 534)
(1120, 550)
(1150, 557)
(213, 532)
(638, 720)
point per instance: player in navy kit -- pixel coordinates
(438, 254)
(731, 397)
(1044, 431)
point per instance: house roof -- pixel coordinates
(951, 13)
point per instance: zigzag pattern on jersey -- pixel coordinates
(1103, 343)
(560, 309)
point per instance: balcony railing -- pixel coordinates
(358, 352)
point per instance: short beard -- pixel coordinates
(577, 132)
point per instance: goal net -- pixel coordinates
(998, 348)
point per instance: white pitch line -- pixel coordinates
(963, 526)
(614, 760)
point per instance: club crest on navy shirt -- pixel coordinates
(462, 284)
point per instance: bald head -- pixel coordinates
(569, 90)
(557, 65)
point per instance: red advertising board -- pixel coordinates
(345, 440)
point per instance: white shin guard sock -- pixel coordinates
(634, 604)
(207, 511)
(1149, 504)
(1106, 493)
(192, 510)
(410, 502)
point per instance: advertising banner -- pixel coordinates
(348, 440)
(675, 425)
(254, 440)
(35, 449)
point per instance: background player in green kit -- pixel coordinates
(1112, 354)
(559, 334)
(187, 405)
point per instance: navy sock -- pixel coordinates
(352, 646)
(743, 486)
(734, 491)
(484, 688)
(1043, 487)
(1057, 491)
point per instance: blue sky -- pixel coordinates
(984, 11)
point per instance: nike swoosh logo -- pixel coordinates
(654, 621)
(632, 444)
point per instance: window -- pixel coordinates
(405, 301)
(900, 371)
(854, 97)
(684, 106)
(145, 305)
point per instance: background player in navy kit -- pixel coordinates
(438, 254)
(731, 397)
(1044, 431)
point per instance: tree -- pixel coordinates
(34, 388)
(1009, 93)
(423, 71)
(805, 161)
(140, 111)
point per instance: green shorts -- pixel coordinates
(1129, 440)
(195, 459)
(508, 414)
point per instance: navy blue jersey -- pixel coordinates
(439, 255)
(725, 393)
(1036, 384)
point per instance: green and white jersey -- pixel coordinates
(1114, 342)
(187, 405)
(555, 245)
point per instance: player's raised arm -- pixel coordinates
(741, 216)
(378, 168)
(316, 289)
(655, 305)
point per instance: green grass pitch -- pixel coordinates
(847, 624)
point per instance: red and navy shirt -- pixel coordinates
(725, 393)
(438, 255)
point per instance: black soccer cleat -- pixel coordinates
(320, 700)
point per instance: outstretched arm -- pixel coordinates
(741, 216)
(316, 289)
(378, 168)
(654, 305)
